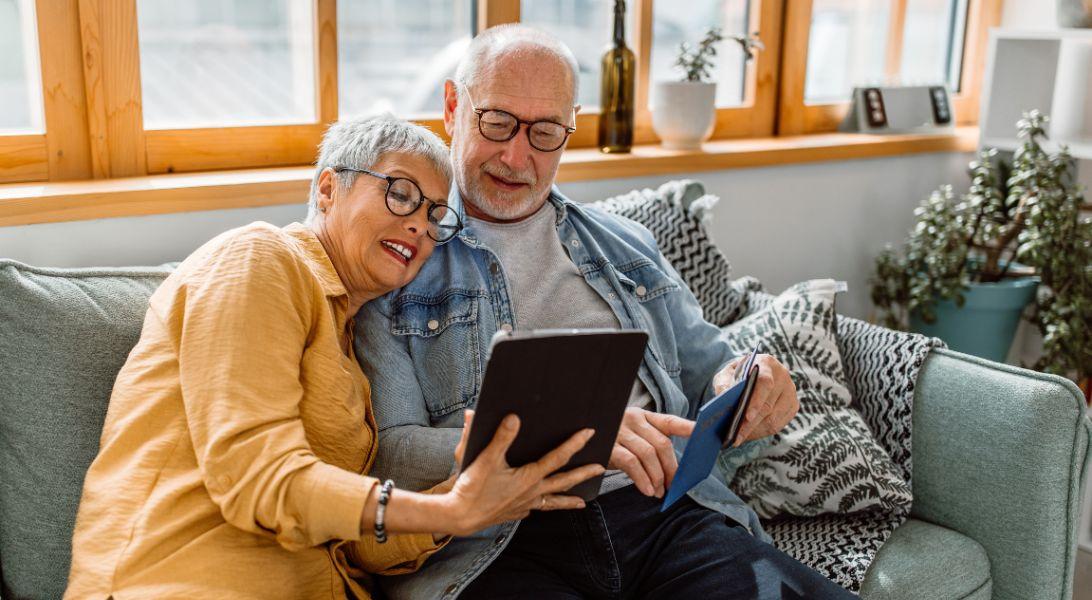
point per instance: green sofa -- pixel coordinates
(999, 452)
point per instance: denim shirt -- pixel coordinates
(424, 348)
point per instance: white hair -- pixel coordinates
(362, 142)
(512, 38)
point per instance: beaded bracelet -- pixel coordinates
(381, 511)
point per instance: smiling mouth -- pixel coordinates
(398, 251)
(506, 184)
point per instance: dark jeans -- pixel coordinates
(621, 546)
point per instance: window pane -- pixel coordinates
(394, 55)
(932, 48)
(20, 77)
(208, 63)
(846, 47)
(671, 27)
(586, 27)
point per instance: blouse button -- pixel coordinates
(641, 290)
(224, 481)
(575, 243)
(433, 325)
(506, 328)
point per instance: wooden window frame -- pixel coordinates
(756, 115)
(796, 116)
(63, 152)
(90, 64)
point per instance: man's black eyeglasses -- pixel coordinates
(498, 125)
(404, 197)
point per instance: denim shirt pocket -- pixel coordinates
(444, 343)
(652, 291)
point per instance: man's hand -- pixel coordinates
(773, 402)
(643, 449)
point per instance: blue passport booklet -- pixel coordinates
(715, 428)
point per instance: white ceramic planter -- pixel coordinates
(683, 113)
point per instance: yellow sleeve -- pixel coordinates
(241, 320)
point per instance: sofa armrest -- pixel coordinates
(1000, 455)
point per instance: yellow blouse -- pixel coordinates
(231, 461)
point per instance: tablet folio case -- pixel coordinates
(558, 383)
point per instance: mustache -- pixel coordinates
(503, 172)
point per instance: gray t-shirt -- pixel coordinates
(549, 292)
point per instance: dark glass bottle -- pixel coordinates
(617, 98)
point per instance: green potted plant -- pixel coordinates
(958, 277)
(683, 112)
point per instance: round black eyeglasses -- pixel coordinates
(498, 125)
(404, 197)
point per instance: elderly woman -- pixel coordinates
(234, 457)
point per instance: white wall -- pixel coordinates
(781, 224)
(1029, 14)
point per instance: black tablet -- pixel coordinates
(558, 382)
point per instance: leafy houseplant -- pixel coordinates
(1027, 211)
(696, 62)
(683, 112)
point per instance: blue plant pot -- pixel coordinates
(986, 323)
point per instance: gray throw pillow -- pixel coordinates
(64, 335)
(826, 460)
(676, 213)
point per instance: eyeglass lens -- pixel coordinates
(499, 126)
(404, 197)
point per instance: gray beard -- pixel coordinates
(472, 194)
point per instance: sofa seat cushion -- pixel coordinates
(922, 561)
(64, 335)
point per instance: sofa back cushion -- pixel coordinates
(64, 335)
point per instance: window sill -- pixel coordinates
(48, 202)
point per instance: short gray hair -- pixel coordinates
(512, 38)
(360, 143)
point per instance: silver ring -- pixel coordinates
(542, 505)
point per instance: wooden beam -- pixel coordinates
(896, 32)
(792, 118)
(108, 35)
(186, 150)
(63, 92)
(981, 16)
(326, 60)
(643, 17)
(496, 12)
(23, 158)
(761, 90)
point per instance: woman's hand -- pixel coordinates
(490, 491)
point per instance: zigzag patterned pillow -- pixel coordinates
(826, 460)
(676, 214)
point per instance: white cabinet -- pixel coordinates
(1046, 70)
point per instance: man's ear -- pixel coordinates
(327, 183)
(451, 102)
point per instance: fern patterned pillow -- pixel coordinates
(826, 459)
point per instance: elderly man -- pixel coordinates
(531, 258)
